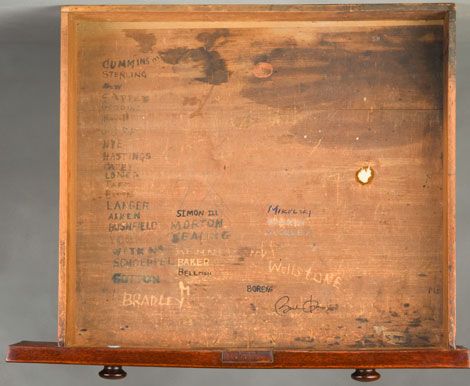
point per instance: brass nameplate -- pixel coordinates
(247, 357)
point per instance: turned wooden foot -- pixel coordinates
(112, 372)
(365, 375)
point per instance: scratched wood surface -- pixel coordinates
(256, 184)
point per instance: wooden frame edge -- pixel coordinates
(63, 218)
(437, 7)
(67, 177)
(51, 353)
(337, 12)
(449, 170)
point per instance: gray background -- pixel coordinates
(29, 161)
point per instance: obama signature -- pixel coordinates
(309, 306)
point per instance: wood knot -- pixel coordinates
(263, 70)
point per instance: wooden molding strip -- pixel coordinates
(52, 353)
(433, 7)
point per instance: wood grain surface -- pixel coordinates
(257, 177)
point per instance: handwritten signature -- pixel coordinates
(283, 306)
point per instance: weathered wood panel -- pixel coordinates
(216, 197)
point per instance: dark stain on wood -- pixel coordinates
(415, 322)
(144, 40)
(213, 65)
(344, 68)
(209, 39)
